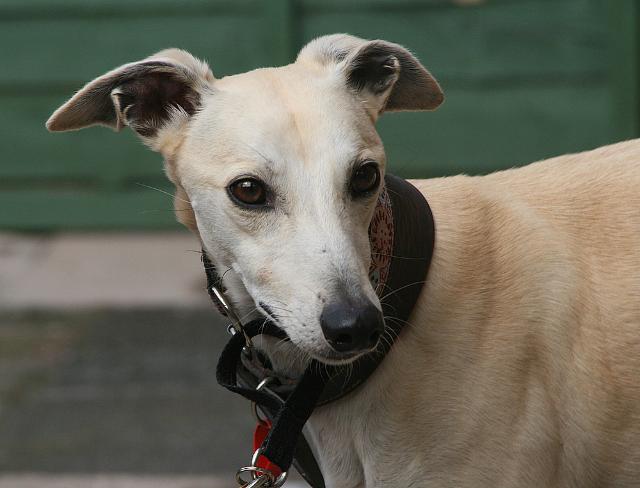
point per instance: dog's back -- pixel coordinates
(537, 273)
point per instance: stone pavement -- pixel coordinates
(121, 481)
(108, 348)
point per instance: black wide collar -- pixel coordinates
(401, 275)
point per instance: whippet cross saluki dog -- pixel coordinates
(520, 363)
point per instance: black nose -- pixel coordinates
(351, 327)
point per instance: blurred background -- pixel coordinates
(107, 341)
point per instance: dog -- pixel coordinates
(520, 365)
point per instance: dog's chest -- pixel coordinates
(357, 448)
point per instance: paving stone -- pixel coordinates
(117, 391)
(102, 481)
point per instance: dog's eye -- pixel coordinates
(249, 191)
(365, 179)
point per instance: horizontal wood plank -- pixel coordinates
(524, 80)
(75, 209)
(477, 132)
(96, 154)
(527, 42)
(493, 41)
(71, 52)
(15, 9)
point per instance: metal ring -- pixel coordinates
(237, 324)
(256, 413)
(254, 406)
(277, 482)
(256, 473)
(264, 385)
(265, 382)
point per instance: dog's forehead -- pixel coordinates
(290, 115)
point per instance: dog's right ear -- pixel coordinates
(151, 96)
(383, 75)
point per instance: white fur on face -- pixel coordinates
(301, 132)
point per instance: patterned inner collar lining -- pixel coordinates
(381, 239)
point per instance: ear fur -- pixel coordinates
(388, 75)
(150, 96)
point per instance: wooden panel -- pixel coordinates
(624, 20)
(477, 131)
(520, 41)
(524, 79)
(74, 209)
(97, 153)
(69, 52)
(66, 51)
(12, 9)
(280, 21)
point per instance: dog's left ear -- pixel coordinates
(155, 97)
(387, 75)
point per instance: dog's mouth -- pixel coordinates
(322, 352)
(335, 358)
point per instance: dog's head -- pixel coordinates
(277, 170)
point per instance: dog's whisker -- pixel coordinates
(393, 192)
(257, 152)
(383, 285)
(399, 257)
(248, 313)
(164, 210)
(399, 321)
(280, 308)
(402, 288)
(163, 191)
(348, 372)
(396, 319)
(224, 274)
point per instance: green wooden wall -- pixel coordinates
(524, 80)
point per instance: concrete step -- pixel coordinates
(71, 271)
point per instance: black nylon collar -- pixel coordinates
(413, 243)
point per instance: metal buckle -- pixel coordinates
(236, 324)
(260, 477)
(277, 482)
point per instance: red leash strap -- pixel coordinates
(259, 435)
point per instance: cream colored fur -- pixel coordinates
(521, 363)
(521, 367)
